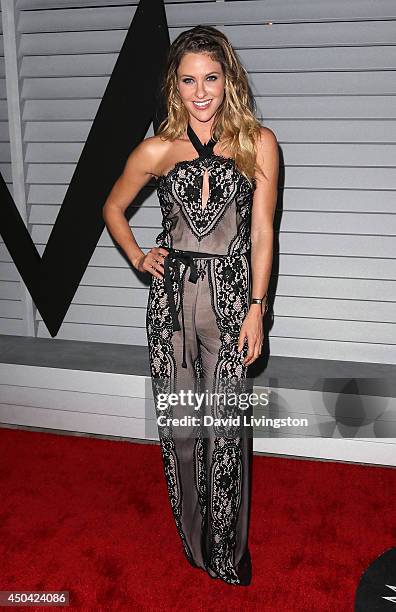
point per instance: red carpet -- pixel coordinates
(92, 517)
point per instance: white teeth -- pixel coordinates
(202, 104)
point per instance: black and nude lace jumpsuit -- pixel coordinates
(194, 315)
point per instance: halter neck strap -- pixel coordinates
(204, 150)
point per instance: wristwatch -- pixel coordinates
(260, 301)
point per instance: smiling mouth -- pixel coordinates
(204, 104)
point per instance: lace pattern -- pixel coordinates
(219, 464)
(182, 186)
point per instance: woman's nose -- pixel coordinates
(200, 91)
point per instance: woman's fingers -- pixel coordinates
(153, 261)
(254, 350)
(241, 341)
(255, 344)
(159, 255)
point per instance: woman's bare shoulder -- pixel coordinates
(151, 152)
(154, 145)
(267, 155)
(267, 150)
(267, 138)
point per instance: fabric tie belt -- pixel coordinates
(188, 258)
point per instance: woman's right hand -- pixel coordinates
(152, 262)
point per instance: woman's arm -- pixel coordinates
(263, 211)
(140, 166)
(264, 204)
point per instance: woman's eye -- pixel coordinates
(188, 80)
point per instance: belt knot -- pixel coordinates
(173, 260)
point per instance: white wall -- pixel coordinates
(324, 78)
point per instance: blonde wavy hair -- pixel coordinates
(235, 121)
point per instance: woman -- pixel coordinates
(217, 171)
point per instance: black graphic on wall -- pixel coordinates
(130, 103)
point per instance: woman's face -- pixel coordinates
(201, 82)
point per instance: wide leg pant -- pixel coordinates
(207, 468)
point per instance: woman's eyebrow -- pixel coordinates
(189, 75)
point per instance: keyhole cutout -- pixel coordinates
(205, 189)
